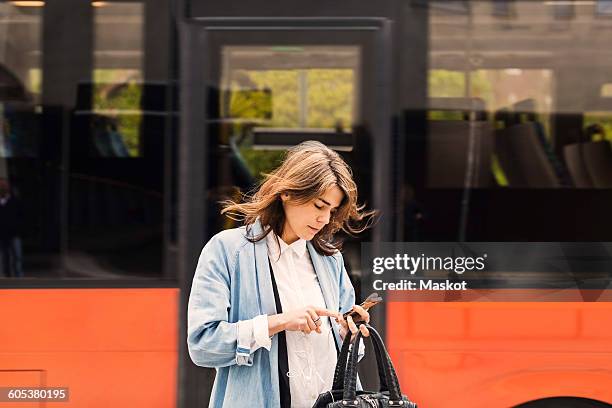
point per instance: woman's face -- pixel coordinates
(306, 220)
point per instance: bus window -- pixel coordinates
(516, 134)
(310, 92)
(117, 159)
(485, 53)
(273, 97)
(22, 224)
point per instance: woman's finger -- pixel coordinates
(340, 318)
(311, 324)
(315, 317)
(364, 330)
(351, 324)
(326, 312)
(316, 320)
(305, 327)
(365, 316)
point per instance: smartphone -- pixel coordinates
(370, 301)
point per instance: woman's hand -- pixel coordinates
(349, 324)
(305, 319)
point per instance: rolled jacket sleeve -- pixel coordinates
(212, 340)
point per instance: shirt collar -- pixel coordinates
(299, 246)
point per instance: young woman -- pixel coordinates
(267, 299)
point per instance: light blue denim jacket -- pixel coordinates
(231, 286)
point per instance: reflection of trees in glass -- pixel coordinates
(446, 84)
(482, 87)
(330, 97)
(35, 80)
(444, 115)
(261, 162)
(499, 88)
(326, 96)
(116, 89)
(602, 118)
(284, 87)
(251, 104)
(452, 84)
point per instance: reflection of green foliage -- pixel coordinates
(482, 87)
(128, 127)
(498, 172)
(261, 162)
(112, 91)
(329, 95)
(602, 118)
(35, 79)
(446, 84)
(444, 115)
(251, 104)
(284, 87)
(451, 84)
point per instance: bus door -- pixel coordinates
(254, 87)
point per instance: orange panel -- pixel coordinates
(111, 347)
(500, 354)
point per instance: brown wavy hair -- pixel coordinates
(307, 171)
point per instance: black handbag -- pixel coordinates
(344, 393)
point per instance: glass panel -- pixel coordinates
(515, 138)
(510, 67)
(20, 134)
(116, 182)
(269, 90)
(20, 80)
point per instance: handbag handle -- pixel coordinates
(338, 383)
(350, 380)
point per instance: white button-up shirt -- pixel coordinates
(311, 357)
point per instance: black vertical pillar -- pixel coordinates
(67, 59)
(412, 94)
(195, 383)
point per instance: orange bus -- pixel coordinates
(463, 121)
